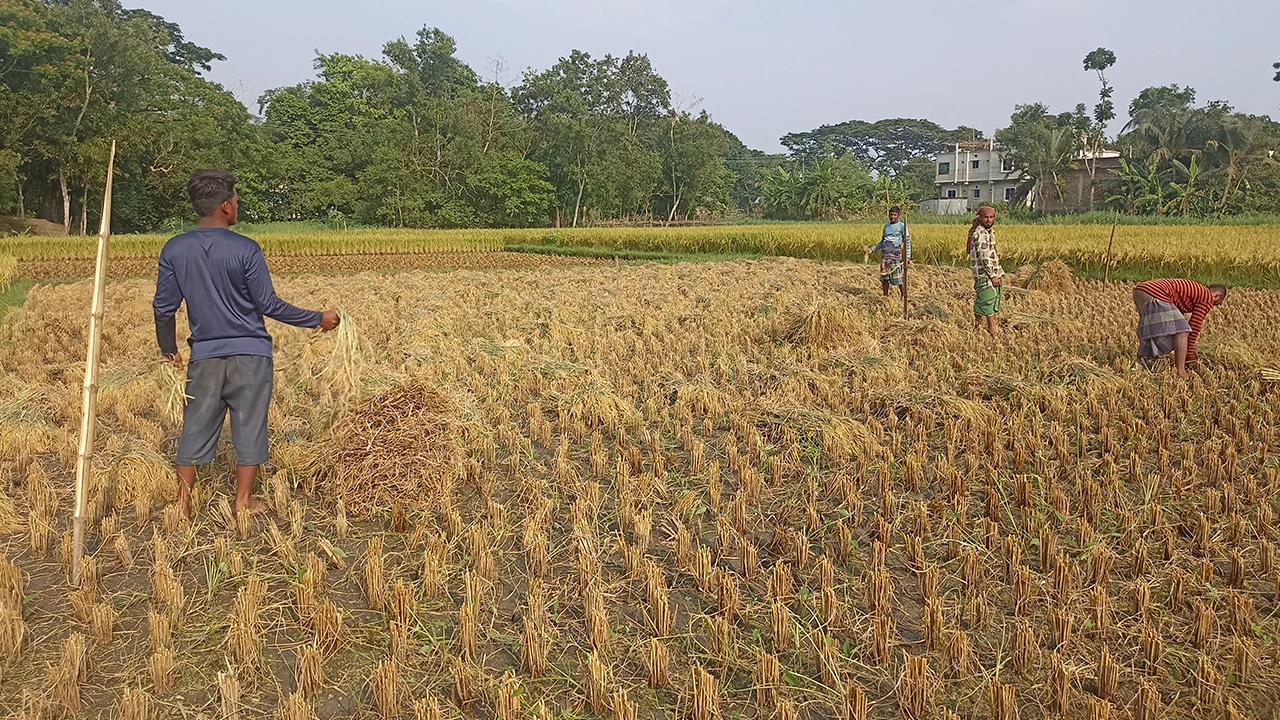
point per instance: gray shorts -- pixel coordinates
(241, 383)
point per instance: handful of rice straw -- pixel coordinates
(175, 383)
(1270, 374)
(347, 361)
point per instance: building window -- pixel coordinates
(944, 168)
(975, 164)
(977, 193)
(1008, 193)
(951, 193)
(1006, 164)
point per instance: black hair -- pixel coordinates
(210, 188)
(1220, 288)
(895, 209)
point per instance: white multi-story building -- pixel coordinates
(970, 174)
(979, 172)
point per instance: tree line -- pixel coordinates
(414, 138)
(1176, 158)
(417, 138)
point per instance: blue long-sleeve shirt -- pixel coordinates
(223, 278)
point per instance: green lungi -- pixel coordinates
(987, 302)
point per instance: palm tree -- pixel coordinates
(1232, 148)
(1047, 160)
(1167, 131)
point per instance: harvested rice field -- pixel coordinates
(145, 267)
(693, 491)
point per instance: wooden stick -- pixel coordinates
(89, 420)
(1106, 271)
(904, 269)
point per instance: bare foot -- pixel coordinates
(253, 507)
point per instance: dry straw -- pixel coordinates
(706, 695)
(229, 695)
(384, 685)
(387, 446)
(824, 323)
(309, 674)
(658, 660)
(428, 708)
(295, 707)
(163, 666)
(1021, 505)
(135, 704)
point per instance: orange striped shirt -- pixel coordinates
(1190, 297)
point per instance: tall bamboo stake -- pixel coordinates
(905, 257)
(89, 420)
(1106, 271)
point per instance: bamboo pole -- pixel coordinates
(89, 420)
(905, 264)
(1106, 271)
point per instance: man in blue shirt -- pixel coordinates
(223, 278)
(895, 235)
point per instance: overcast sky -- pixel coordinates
(763, 69)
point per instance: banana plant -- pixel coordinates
(1142, 190)
(1184, 195)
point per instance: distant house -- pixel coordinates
(970, 174)
(1077, 190)
(976, 172)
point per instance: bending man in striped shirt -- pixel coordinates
(1163, 326)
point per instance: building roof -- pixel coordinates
(972, 146)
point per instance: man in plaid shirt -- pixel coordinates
(984, 261)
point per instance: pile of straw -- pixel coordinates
(1067, 367)
(400, 446)
(829, 323)
(1052, 277)
(1021, 277)
(1236, 356)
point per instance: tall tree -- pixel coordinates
(598, 123)
(35, 65)
(694, 172)
(76, 74)
(884, 146)
(1099, 61)
(177, 49)
(1044, 145)
(747, 167)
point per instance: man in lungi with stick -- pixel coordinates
(984, 261)
(890, 247)
(1163, 327)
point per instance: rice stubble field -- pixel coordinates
(741, 489)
